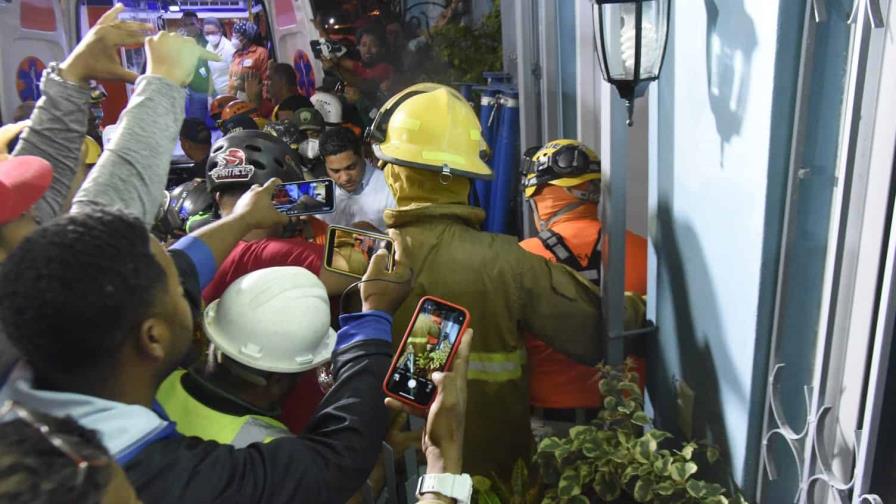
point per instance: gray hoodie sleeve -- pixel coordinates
(58, 126)
(132, 171)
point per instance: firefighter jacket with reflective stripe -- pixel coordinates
(555, 380)
(505, 289)
(195, 418)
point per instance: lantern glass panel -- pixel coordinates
(615, 25)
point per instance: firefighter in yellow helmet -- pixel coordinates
(428, 140)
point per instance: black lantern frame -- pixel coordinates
(634, 85)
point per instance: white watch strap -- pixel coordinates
(455, 486)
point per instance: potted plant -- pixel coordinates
(619, 457)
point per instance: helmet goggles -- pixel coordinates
(567, 161)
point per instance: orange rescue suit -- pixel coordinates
(556, 381)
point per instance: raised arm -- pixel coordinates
(131, 173)
(59, 120)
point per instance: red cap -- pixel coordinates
(23, 180)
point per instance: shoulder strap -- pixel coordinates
(561, 251)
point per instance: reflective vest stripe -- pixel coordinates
(496, 366)
(194, 418)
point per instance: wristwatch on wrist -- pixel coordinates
(455, 486)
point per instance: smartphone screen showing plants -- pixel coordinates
(429, 346)
(305, 197)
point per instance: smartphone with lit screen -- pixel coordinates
(349, 250)
(429, 345)
(306, 197)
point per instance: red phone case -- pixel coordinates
(404, 341)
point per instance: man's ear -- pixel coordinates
(154, 335)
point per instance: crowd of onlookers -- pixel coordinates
(166, 335)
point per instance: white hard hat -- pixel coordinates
(273, 319)
(329, 106)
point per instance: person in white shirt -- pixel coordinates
(218, 44)
(361, 190)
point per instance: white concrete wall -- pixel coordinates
(712, 220)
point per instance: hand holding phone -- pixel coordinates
(349, 250)
(306, 197)
(429, 346)
(446, 419)
(384, 290)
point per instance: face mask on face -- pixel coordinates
(309, 148)
(237, 44)
(214, 39)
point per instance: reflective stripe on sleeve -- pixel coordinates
(496, 366)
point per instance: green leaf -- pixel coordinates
(550, 497)
(607, 438)
(687, 451)
(641, 418)
(664, 488)
(630, 388)
(582, 432)
(712, 454)
(481, 483)
(696, 488)
(488, 497)
(629, 473)
(658, 435)
(643, 490)
(562, 452)
(550, 444)
(606, 387)
(606, 487)
(590, 449)
(520, 478)
(586, 472)
(644, 449)
(716, 499)
(738, 499)
(620, 455)
(711, 490)
(578, 499)
(681, 471)
(610, 403)
(661, 465)
(570, 483)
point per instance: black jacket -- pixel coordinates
(328, 463)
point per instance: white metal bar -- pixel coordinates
(882, 156)
(614, 156)
(550, 70)
(804, 84)
(587, 77)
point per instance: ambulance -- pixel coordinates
(34, 33)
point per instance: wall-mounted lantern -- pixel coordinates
(631, 42)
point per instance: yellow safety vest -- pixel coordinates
(194, 418)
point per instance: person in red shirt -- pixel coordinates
(562, 186)
(240, 160)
